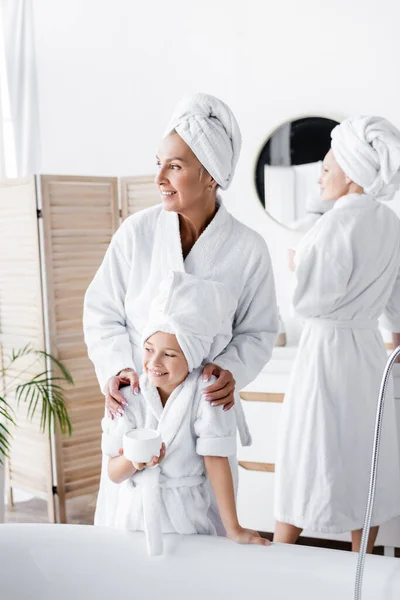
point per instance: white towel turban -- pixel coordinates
(195, 311)
(209, 128)
(368, 151)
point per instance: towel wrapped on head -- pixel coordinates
(195, 311)
(368, 150)
(209, 128)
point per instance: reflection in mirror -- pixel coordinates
(288, 169)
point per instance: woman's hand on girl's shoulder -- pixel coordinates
(115, 400)
(222, 391)
(247, 536)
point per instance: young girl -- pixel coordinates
(170, 494)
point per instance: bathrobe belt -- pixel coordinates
(345, 323)
(151, 480)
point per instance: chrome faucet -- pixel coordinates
(373, 476)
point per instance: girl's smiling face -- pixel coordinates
(164, 362)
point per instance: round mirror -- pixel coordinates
(288, 169)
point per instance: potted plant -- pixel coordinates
(44, 392)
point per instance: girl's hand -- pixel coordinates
(247, 536)
(156, 460)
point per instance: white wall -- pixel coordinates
(111, 71)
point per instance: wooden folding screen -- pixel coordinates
(80, 215)
(138, 193)
(41, 300)
(21, 323)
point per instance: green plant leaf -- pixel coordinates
(53, 404)
(5, 439)
(31, 401)
(15, 355)
(33, 397)
(4, 405)
(66, 374)
(43, 389)
(7, 416)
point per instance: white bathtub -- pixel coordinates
(77, 562)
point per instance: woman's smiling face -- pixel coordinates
(182, 180)
(333, 181)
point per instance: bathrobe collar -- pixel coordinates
(200, 260)
(170, 416)
(354, 201)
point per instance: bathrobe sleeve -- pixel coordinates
(391, 315)
(104, 319)
(256, 325)
(214, 428)
(323, 266)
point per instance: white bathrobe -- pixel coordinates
(144, 250)
(347, 270)
(173, 497)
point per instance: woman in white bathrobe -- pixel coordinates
(170, 494)
(189, 231)
(348, 274)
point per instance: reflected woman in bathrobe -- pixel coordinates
(170, 494)
(190, 231)
(347, 269)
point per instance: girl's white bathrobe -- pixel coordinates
(143, 251)
(173, 497)
(347, 271)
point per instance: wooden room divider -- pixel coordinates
(22, 323)
(79, 216)
(137, 193)
(54, 231)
